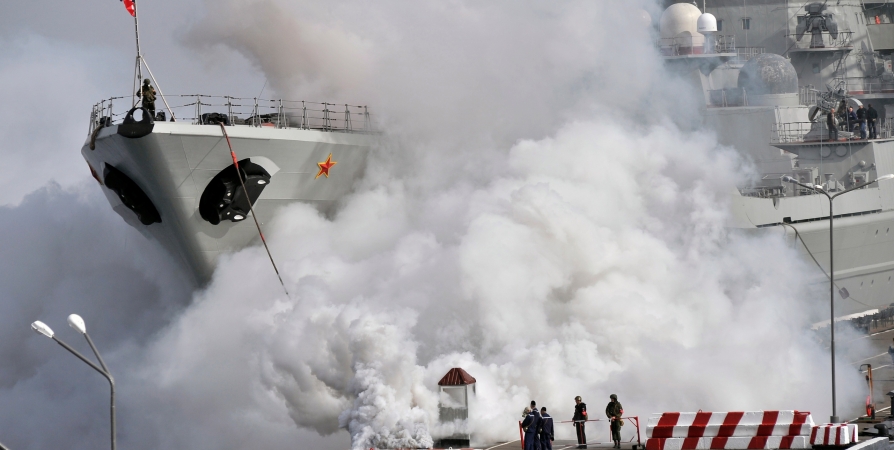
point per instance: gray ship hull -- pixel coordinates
(174, 164)
(863, 223)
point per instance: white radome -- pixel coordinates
(706, 23)
(679, 18)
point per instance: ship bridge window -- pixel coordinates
(746, 23)
(719, 24)
(816, 68)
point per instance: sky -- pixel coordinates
(542, 209)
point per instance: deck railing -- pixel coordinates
(723, 98)
(790, 132)
(204, 109)
(860, 86)
(695, 45)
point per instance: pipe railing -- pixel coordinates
(789, 132)
(201, 109)
(861, 86)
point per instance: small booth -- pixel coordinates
(455, 389)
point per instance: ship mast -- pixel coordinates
(140, 62)
(138, 66)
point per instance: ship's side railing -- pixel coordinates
(842, 40)
(863, 86)
(783, 133)
(746, 53)
(277, 113)
(695, 45)
(722, 98)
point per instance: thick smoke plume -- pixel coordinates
(542, 210)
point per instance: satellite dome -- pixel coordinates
(679, 18)
(706, 23)
(645, 18)
(768, 73)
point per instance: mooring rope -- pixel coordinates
(251, 208)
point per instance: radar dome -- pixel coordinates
(645, 18)
(707, 23)
(679, 18)
(768, 73)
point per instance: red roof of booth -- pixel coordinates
(456, 377)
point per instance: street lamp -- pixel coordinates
(818, 188)
(76, 322)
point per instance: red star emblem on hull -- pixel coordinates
(325, 166)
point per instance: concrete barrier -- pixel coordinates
(729, 443)
(831, 434)
(729, 424)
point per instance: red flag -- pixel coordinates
(128, 4)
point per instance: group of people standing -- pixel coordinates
(540, 432)
(866, 119)
(538, 426)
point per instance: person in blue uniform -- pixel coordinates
(531, 425)
(547, 433)
(580, 421)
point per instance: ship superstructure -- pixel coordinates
(769, 71)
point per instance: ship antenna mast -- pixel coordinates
(138, 66)
(140, 62)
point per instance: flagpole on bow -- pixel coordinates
(138, 66)
(138, 69)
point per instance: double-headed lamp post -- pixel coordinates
(76, 322)
(818, 188)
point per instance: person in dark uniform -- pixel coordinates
(547, 432)
(147, 93)
(871, 121)
(531, 425)
(851, 119)
(861, 121)
(614, 411)
(832, 123)
(580, 422)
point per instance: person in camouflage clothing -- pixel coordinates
(147, 93)
(614, 411)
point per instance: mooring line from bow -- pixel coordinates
(251, 208)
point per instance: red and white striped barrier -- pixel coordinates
(834, 434)
(729, 424)
(729, 443)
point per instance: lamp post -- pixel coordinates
(818, 188)
(76, 322)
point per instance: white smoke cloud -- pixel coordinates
(543, 211)
(536, 215)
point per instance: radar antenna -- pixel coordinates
(815, 22)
